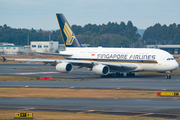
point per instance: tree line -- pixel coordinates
(106, 35)
(162, 34)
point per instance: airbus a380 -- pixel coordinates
(107, 61)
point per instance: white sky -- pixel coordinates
(41, 13)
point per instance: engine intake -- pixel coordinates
(101, 69)
(64, 67)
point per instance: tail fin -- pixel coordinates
(67, 34)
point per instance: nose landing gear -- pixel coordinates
(168, 75)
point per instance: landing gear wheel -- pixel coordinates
(121, 75)
(127, 75)
(113, 75)
(118, 75)
(133, 74)
(130, 74)
(168, 76)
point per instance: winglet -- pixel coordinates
(67, 34)
(4, 59)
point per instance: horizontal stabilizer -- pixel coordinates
(4, 59)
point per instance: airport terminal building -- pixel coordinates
(11, 49)
(44, 46)
(35, 46)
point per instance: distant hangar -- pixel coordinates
(172, 49)
(54, 47)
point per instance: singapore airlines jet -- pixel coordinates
(108, 62)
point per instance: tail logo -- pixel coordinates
(69, 34)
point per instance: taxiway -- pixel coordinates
(168, 108)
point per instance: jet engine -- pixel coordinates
(64, 67)
(101, 69)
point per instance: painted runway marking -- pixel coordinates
(144, 114)
(31, 73)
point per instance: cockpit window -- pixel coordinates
(170, 59)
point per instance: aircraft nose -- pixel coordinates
(175, 65)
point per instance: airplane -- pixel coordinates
(107, 62)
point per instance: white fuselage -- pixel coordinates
(145, 59)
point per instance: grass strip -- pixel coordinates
(9, 114)
(76, 93)
(174, 73)
(24, 78)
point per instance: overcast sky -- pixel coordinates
(41, 13)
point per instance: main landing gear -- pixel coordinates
(113, 75)
(130, 74)
(168, 75)
(118, 75)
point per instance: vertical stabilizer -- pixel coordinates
(67, 34)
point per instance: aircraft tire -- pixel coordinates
(121, 75)
(127, 75)
(118, 75)
(133, 74)
(130, 74)
(168, 76)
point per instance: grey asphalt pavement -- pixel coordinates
(162, 107)
(168, 108)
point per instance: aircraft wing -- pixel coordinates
(57, 54)
(82, 63)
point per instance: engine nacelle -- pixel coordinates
(101, 69)
(64, 67)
